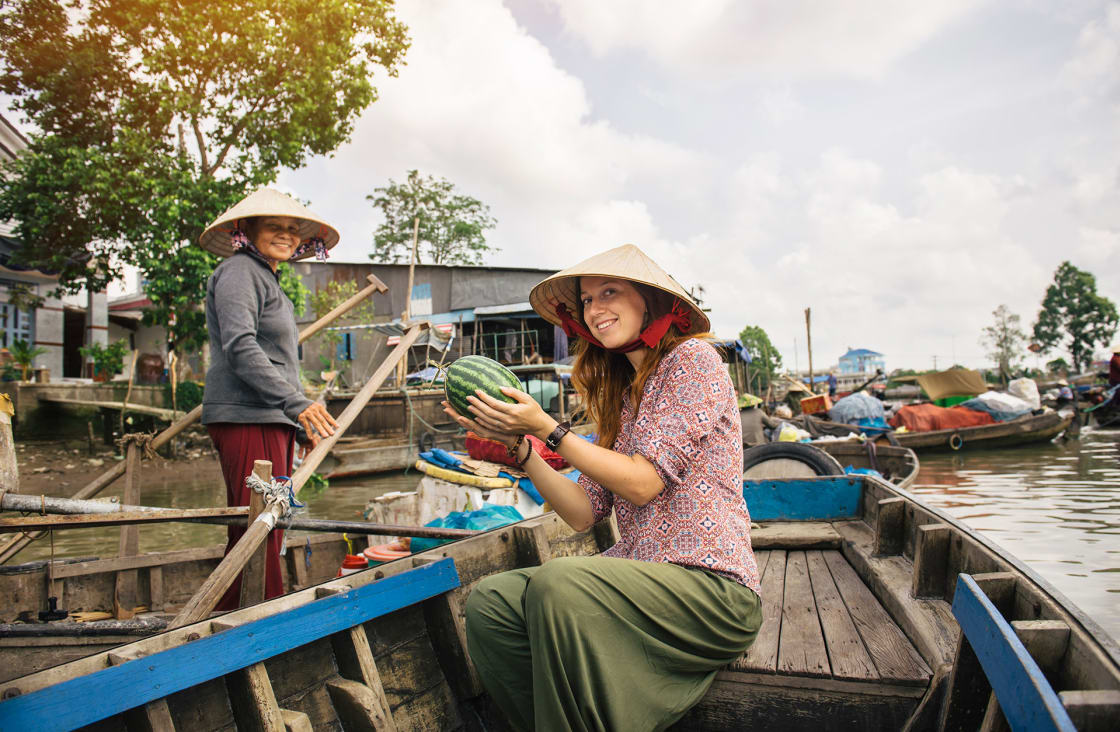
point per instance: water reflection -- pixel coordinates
(1056, 507)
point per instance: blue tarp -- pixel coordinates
(859, 406)
(999, 415)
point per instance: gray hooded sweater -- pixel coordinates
(254, 358)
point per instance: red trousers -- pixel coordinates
(238, 446)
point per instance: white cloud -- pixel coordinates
(786, 38)
(1095, 65)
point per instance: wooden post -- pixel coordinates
(889, 526)
(406, 317)
(931, 558)
(460, 334)
(9, 466)
(253, 576)
(109, 476)
(124, 596)
(131, 379)
(809, 345)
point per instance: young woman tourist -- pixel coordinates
(253, 399)
(630, 639)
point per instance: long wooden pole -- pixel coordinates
(809, 345)
(62, 513)
(109, 476)
(406, 316)
(253, 577)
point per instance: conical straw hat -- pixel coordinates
(266, 202)
(626, 262)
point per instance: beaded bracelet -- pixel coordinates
(529, 454)
(512, 451)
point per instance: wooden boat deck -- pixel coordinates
(821, 620)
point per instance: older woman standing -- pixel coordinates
(253, 401)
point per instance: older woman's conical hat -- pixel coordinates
(560, 293)
(269, 202)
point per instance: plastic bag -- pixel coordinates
(1026, 390)
(486, 518)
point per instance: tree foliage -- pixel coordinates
(452, 225)
(326, 299)
(155, 117)
(1074, 316)
(1005, 340)
(765, 359)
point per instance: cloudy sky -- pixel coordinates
(901, 168)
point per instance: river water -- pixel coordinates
(1054, 506)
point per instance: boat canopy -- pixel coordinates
(954, 382)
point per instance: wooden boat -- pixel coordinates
(360, 456)
(879, 614)
(1026, 430)
(1023, 431)
(898, 465)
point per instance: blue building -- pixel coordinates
(861, 361)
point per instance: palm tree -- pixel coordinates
(24, 353)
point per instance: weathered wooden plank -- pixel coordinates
(890, 525)
(125, 597)
(763, 654)
(447, 628)
(300, 679)
(751, 701)
(931, 556)
(1046, 641)
(155, 589)
(794, 535)
(801, 649)
(847, 656)
(928, 623)
(113, 690)
(359, 708)
(761, 559)
(355, 661)
(155, 716)
(532, 544)
(895, 658)
(296, 721)
(1092, 711)
(992, 657)
(253, 700)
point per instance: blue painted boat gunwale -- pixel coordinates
(1025, 696)
(92, 697)
(831, 498)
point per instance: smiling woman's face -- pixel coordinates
(276, 237)
(613, 310)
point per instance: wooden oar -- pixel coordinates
(109, 476)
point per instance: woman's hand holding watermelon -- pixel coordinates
(504, 422)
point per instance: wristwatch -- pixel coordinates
(553, 440)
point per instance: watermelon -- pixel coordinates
(469, 373)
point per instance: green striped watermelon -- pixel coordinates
(476, 372)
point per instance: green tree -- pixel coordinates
(154, 117)
(451, 224)
(24, 354)
(1074, 316)
(326, 299)
(765, 359)
(1004, 340)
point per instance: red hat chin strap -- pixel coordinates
(650, 337)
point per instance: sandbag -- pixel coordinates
(1026, 390)
(930, 417)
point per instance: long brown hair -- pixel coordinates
(602, 377)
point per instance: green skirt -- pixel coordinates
(598, 643)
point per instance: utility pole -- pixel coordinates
(809, 346)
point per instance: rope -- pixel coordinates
(277, 492)
(143, 442)
(414, 416)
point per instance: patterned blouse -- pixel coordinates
(688, 427)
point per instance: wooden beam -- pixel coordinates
(1092, 711)
(445, 616)
(124, 594)
(253, 576)
(1046, 641)
(155, 716)
(357, 706)
(890, 526)
(355, 661)
(253, 700)
(931, 557)
(532, 544)
(296, 721)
